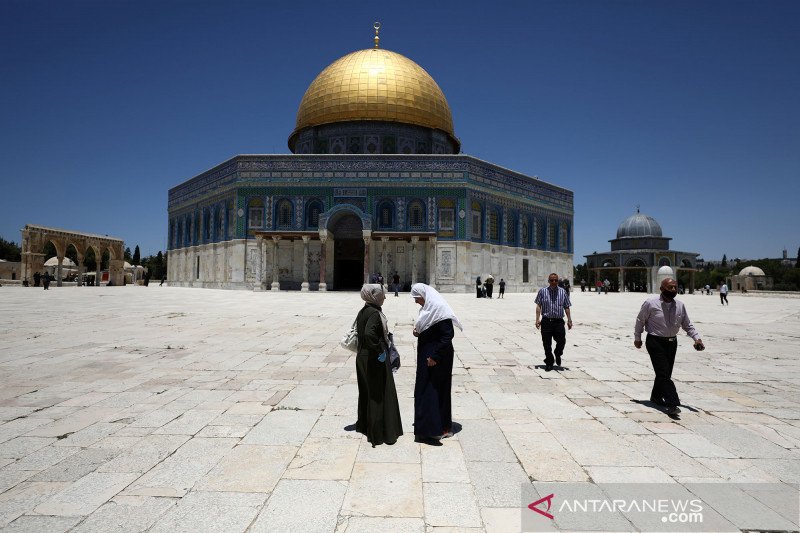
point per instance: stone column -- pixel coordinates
(691, 282)
(384, 271)
(414, 241)
(367, 234)
(323, 263)
(304, 285)
(259, 284)
(432, 262)
(58, 271)
(276, 285)
(620, 281)
(98, 262)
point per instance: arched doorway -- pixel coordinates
(348, 252)
(636, 276)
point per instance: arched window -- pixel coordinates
(511, 229)
(493, 229)
(447, 215)
(416, 215)
(477, 218)
(552, 235)
(564, 240)
(206, 225)
(284, 214)
(524, 233)
(540, 242)
(313, 210)
(255, 214)
(219, 233)
(385, 215)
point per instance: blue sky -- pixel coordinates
(690, 109)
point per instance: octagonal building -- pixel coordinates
(376, 182)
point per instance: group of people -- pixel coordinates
(661, 317)
(395, 286)
(486, 288)
(378, 407)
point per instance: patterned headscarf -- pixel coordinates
(372, 293)
(434, 310)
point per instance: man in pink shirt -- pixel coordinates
(662, 317)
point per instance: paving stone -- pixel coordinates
(482, 440)
(211, 512)
(384, 489)
(76, 465)
(451, 505)
(23, 498)
(302, 505)
(190, 422)
(496, 484)
(178, 473)
(544, 459)
(324, 458)
(43, 458)
(86, 494)
(149, 451)
(282, 427)
(19, 447)
(696, 445)
(126, 514)
(39, 524)
(366, 524)
(444, 464)
(248, 468)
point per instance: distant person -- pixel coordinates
(662, 316)
(567, 285)
(489, 283)
(583, 285)
(598, 287)
(146, 279)
(163, 279)
(502, 288)
(708, 289)
(552, 302)
(396, 282)
(478, 288)
(606, 286)
(723, 293)
(46, 281)
(37, 278)
(379, 280)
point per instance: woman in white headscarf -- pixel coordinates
(378, 408)
(433, 417)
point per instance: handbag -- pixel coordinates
(350, 339)
(394, 355)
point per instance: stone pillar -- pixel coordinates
(99, 263)
(620, 281)
(116, 272)
(432, 262)
(276, 285)
(367, 234)
(384, 270)
(323, 263)
(304, 285)
(414, 241)
(59, 282)
(259, 284)
(691, 282)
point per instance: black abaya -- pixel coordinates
(433, 414)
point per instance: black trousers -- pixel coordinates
(723, 298)
(662, 355)
(553, 328)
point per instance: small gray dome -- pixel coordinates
(639, 225)
(751, 271)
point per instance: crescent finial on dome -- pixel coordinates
(377, 27)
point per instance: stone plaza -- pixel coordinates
(168, 409)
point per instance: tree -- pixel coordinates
(136, 256)
(127, 255)
(724, 263)
(10, 251)
(797, 265)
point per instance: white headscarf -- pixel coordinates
(372, 293)
(434, 310)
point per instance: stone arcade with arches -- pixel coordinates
(35, 239)
(640, 258)
(375, 183)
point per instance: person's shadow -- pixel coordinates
(662, 408)
(558, 368)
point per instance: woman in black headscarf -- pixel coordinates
(378, 409)
(433, 417)
(478, 289)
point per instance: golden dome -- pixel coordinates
(374, 84)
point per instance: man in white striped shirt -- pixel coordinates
(552, 302)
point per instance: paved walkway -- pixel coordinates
(167, 410)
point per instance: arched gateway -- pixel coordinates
(35, 239)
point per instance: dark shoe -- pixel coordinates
(548, 368)
(673, 410)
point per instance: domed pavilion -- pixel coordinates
(640, 258)
(376, 182)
